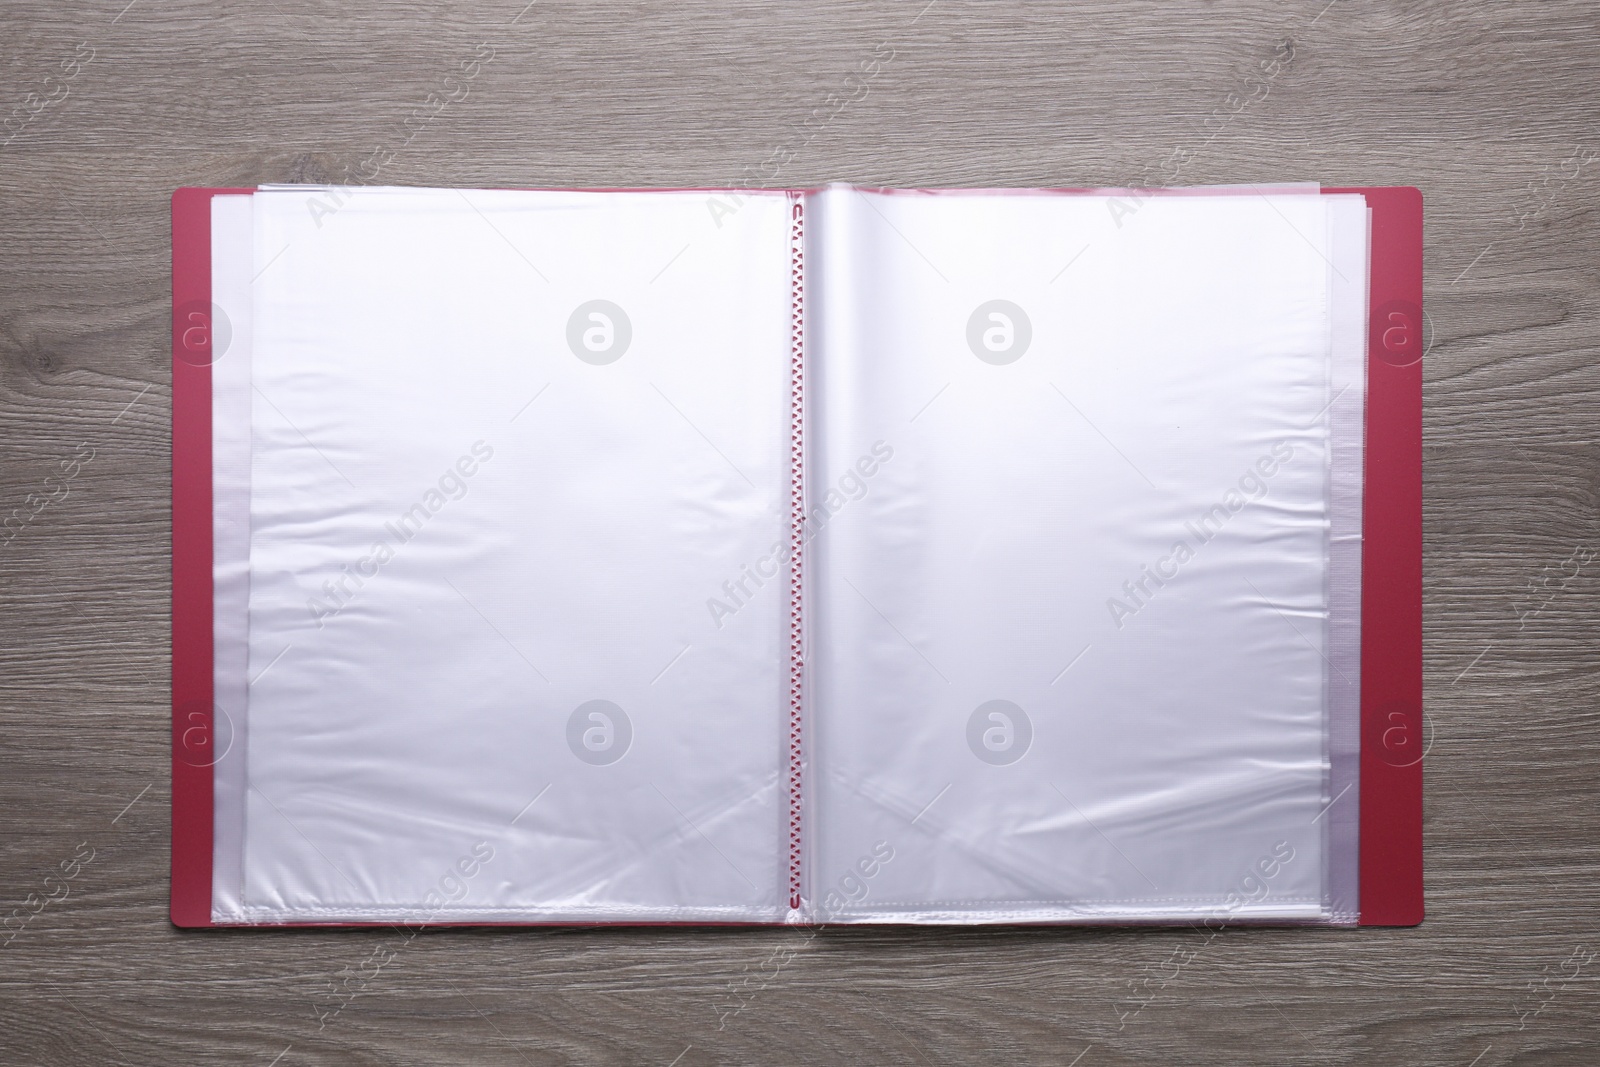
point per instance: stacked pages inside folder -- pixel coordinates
(822, 556)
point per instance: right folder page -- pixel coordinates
(1083, 493)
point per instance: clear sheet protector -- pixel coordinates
(503, 447)
(413, 730)
(1071, 648)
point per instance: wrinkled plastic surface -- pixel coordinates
(1069, 612)
(484, 526)
(499, 635)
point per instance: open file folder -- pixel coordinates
(815, 556)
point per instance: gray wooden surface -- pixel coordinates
(1491, 108)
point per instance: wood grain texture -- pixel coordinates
(1493, 109)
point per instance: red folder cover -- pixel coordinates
(193, 740)
(1391, 886)
(1391, 570)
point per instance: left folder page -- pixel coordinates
(502, 451)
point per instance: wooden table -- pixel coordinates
(1490, 108)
